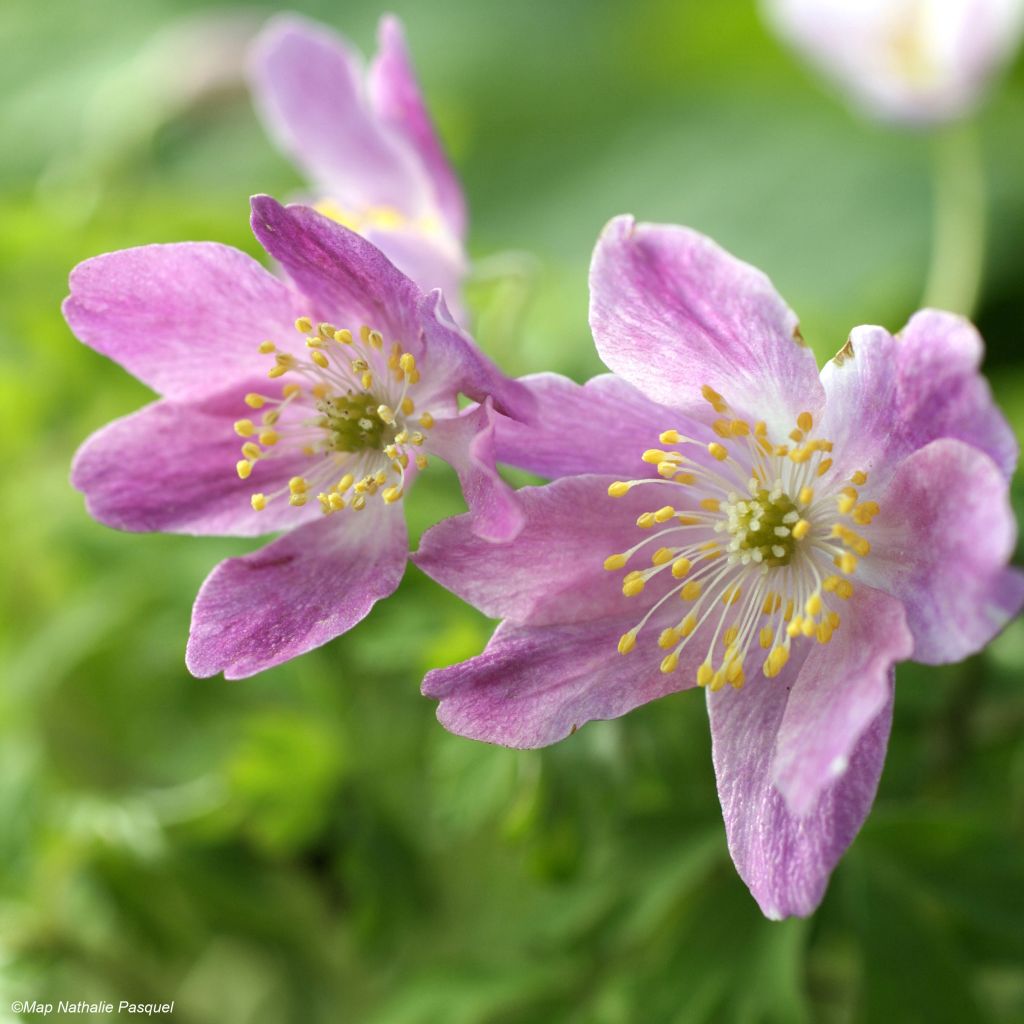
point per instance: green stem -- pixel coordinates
(958, 242)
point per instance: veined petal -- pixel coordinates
(184, 318)
(784, 859)
(553, 571)
(889, 396)
(170, 467)
(671, 311)
(941, 545)
(839, 691)
(308, 87)
(534, 685)
(396, 97)
(304, 589)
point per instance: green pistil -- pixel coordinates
(770, 516)
(353, 423)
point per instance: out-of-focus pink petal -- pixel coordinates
(671, 311)
(170, 467)
(534, 685)
(186, 318)
(296, 593)
(786, 860)
(941, 544)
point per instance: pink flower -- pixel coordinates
(366, 143)
(785, 539)
(904, 60)
(364, 372)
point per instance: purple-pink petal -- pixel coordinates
(534, 685)
(396, 97)
(170, 467)
(671, 311)
(466, 443)
(185, 318)
(296, 593)
(941, 544)
(838, 692)
(785, 859)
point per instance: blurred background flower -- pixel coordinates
(309, 845)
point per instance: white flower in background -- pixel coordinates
(919, 61)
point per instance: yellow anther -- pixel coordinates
(844, 589)
(408, 406)
(245, 428)
(806, 495)
(721, 428)
(718, 451)
(401, 437)
(845, 503)
(314, 342)
(426, 421)
(833, 619)
(776, 660)
(243, 467)
(613, 562)
(336, 501)
(801, 528)
(684, 478)
(847, 563)
(781, 450)
(632, 587)
(860, 478)
(407, 362)
(668, 638)
(711, 504)
(793, 627)
(667, 469)
(823, 467)
(664, 514)
(268, 438)
(298, 485)
(344, 483)
(717, 681)
(255, 401)
(645, 520)
(661, 556)
(772, 603)
(359, 503)
(277, 371)
(380, 477)
(669, 437)
(653, 456)
(788, 613)
(298, 500)
(391, 494)
(823, 633)
(766, 636)
(670, 663)
(796, 435)
(320, 359)
(627, 642)
(717, 402)
(386, 414)
(270, 418)
(765, 445)
(303, 325)
(807, 627)
(734, 672)
(680, 567)
(366, 380)
(729, 637)
(288, 390)
(251, 450)
(688, 625)
(813, 605)
(731, 595)
(258, 502)
(739, 428)
(364, 332)
(801, 455)
(375, 340)
(805, 421)
(829, 583)
(691, 591)
(705, 674)
(618, 489)
(266, 347)
(413, 376)
(343, 337)
(865, 512)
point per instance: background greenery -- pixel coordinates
(310, 845)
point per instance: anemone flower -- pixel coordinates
(338, 385)
(786, 537)
(365, 141)
(917, 61)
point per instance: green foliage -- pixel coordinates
(309, 845)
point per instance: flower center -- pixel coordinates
(349, 412)
(751, 544)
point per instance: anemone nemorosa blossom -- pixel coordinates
(366, 143)
(785, 539)
(917, 61)
(337, 386)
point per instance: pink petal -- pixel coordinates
(784, 859)
(889, 396)
(671, 312)
(396, 97)
(839, 691)
(308, 87)
(170, 467)
(297, 593)
(184, 318)
(534, 685)
(941, 545)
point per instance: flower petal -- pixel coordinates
(534, 686)
(603, 426)
(466, 443)
(786, 860)
(183, 318)
(553, 572)
(308, 87)
(170, 467)
(396, 97)
(672, 311)
(941, 544)
(297, 593)
(839, 691)
(889, 396)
